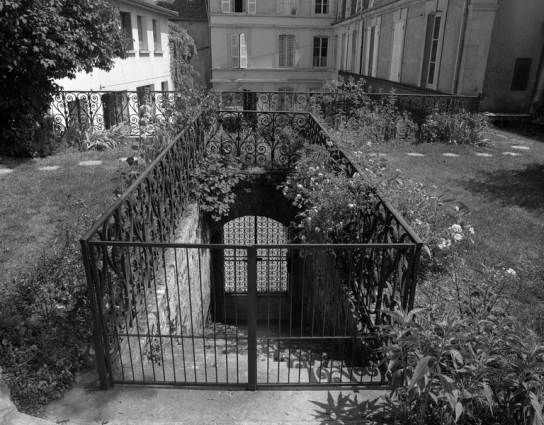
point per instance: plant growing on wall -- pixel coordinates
(215, 177)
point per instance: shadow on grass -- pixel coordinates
(531, 131)
(523, 188)
(346, 409)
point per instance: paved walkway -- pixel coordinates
(85, 405)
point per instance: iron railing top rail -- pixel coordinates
(148, 170)
(251, 246)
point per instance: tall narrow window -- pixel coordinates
(336, 51)
(522, 69)
(239, 50)
(157, 46)
(287, 51)
(397, 51)
(322, 7)
(359, 6)
(142, 33)
(433, 50)
(126, 25)
(354, 51)
(321, 47)
(342, 52)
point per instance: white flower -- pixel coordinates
(397, 170)
(319, 174)
(471, 230)
(300, 186)
(351, 205)
(456, 228)
(511, 272)
(317, 229)
(458, 237)
(356, 175)
(456, 208)
(444, 243)
(312, 169)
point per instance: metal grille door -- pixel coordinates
(271, 263)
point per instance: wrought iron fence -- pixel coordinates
(103, 110)
(130, 247)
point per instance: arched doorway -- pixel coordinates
(271, 263)
(272, 268)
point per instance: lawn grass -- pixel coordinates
(504, 195)
(37, 206)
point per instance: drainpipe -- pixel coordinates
(459, 56)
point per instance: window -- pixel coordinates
(116, 110)
(342, 52)
(126, 25)
(322, 7)
(164, 86)
(321, 45)
(239, 6)
(286, 7)
(238, 43)
(397, 51)
(353, 50)
(522, 69)
(287, 51)
(359, 6)
(157, 47)
(142, 34)
(373, 40)
(432, 50)
(336, 51)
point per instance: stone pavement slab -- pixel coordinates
(86, 404)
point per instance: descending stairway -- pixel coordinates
(219, 355)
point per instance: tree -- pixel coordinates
(45, 40)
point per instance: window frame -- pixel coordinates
(157, 42)
(320, 6)
(286, 52)
(320, 56)
(141, 23)
(238, 45)
(126, 18)
(429, 44)
(248, 6)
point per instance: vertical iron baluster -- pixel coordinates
(252, 317)
(192, 337)
(179, 309)
(213, 290)
(202, 315)
(137, 325)
(144, 293)
(303, 267)
(154, 280)
(169, 313)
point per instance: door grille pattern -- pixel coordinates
(271, 263)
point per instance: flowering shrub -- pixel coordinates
(457, 129)
(329, 200)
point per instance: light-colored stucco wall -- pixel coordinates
(414, 44)
(138, 69)
(263, 30)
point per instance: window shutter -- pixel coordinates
(290, 50)
(235, 50)
(225, 6)
(251, 6)
(243, 51)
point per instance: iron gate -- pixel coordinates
(178, 330)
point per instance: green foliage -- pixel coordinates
(330, 201)
(457, 129)
(214, 179)
(45, 40)
(45, 323)
(374, 119)
(476, 370)
(92, 139)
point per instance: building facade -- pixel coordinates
(193, 16)
(148, 61)
(466, 47)
(271, 45)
